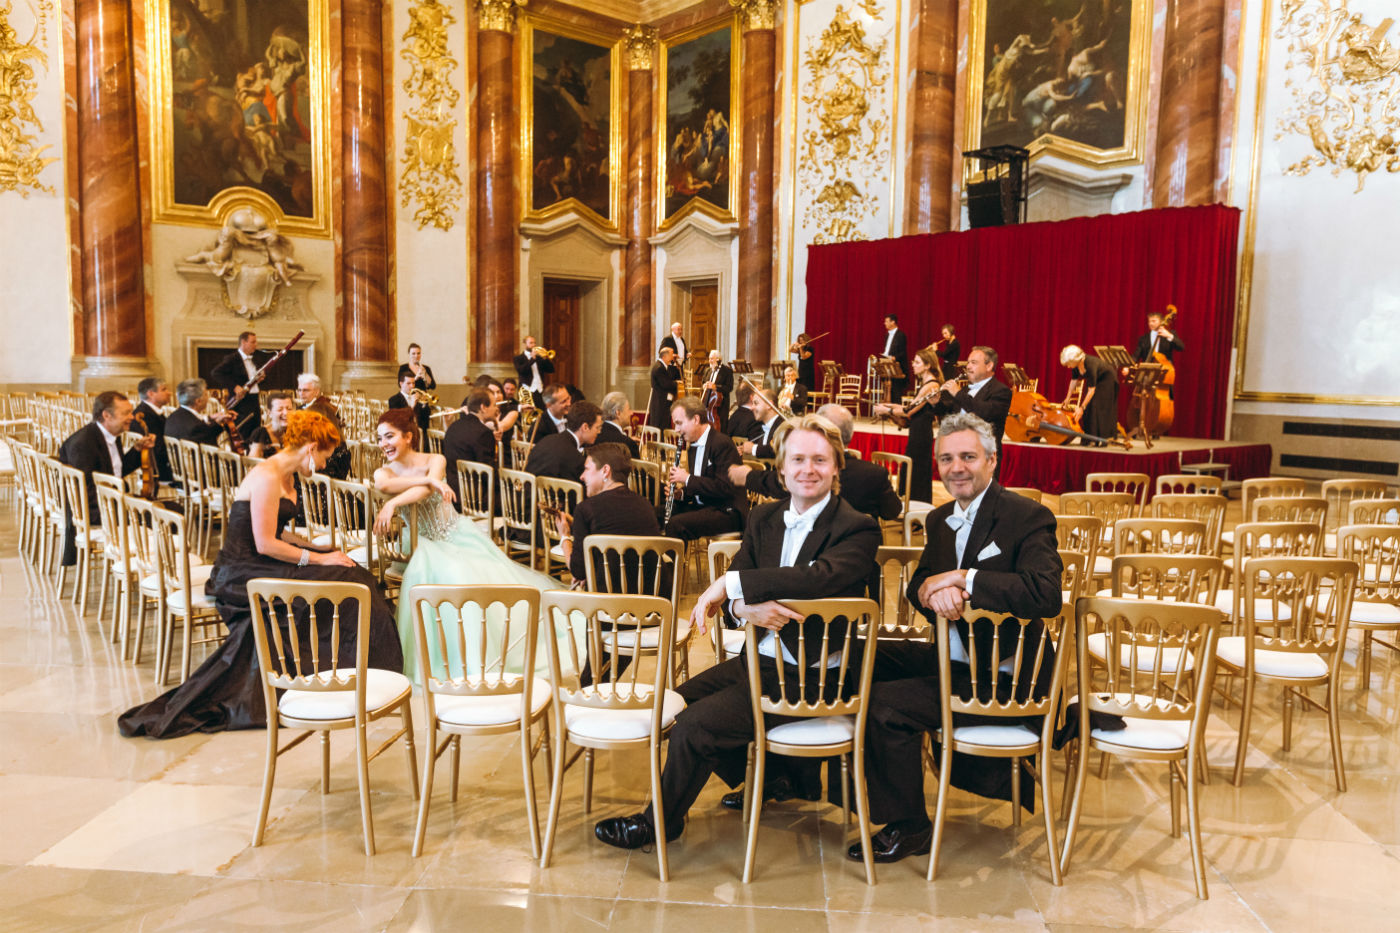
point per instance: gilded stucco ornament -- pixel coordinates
(1344, 76)
(22, 160)
(251, 258)
(640, 44)
(757, 14)
(497, 15)
(429, 182)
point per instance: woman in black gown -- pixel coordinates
(422, 372)
(806, 361)
(921, 420)
(226, 691)
(1098, 406)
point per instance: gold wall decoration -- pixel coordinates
(22, 160)
(429, 181)
(641, 47)
(757, 14)
(497, 15)
(844, 152)
(1344, 77)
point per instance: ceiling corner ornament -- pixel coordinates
(429, 180)
(640, 42)
(757, 14)
(22, 160)
(249, 257)
(844, 151)
(1344, 78)
(497, 15)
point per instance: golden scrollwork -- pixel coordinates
(757, 14)
(844, 149)
(21, 158)
(640, 43)
(498, 15)
(1345, 81)
(429, 159)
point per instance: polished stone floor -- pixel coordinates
(98, 832)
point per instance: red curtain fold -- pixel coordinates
(1027, 290)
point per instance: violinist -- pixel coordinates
(765, 409)
(155, 395)
(1097, 410)
(806, 361)
(921, 419)
(950, 352)
(719, 381)
(267, 439)
(190, 422)
(792, 397)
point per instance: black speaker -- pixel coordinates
(985, 203)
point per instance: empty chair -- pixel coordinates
(1083, 534)
(1263, 487)
(1200, 507)
(1373, 512)
(642, 565)
(915, 517)
(1187, 484)
(1376, 607)
(899, 467)
(1138, 485)
(1341, 493)
(1288, 509)
(1030, 492)
(519, 507)
(1268, 539)
(554, 495)
(1159, 536)
(1107, 507)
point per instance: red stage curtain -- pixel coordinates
(1029, 289)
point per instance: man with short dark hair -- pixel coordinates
(1158, 339)
(707, 503)
(665, 381)
(234, 373)
(532, 367)
(552, 417)
(765, 410)
(617, 416)
(743, 424)
(96, 447)
(983, 395)
(561, 455)
(407, 397)
(471, 437)
(608, 508)
(897, 349)
(154, 395)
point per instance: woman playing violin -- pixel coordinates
(806, 361)
(921, 420)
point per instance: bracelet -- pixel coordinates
(305, 558)
(568, 538)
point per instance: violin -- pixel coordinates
(1034, 418)
(150, 488)
(799, 346)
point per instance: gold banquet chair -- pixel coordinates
(323, 694)
(1376, 608)
(642, 565)
(898, 617)
(728, 641)
(1138, 485)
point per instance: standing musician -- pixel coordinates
(951, 352)
(532, 367)
(422, 372)
(407, 397)
(983, 396)
(806, 361)
(676, 342)
(189, 422)
(719, 379)
(617, 419)
(792, 397)
(267, 439)
(1097, 410)
(96, 447)
(155, 395)
(1158, 339)
(665, 381)
(233, 373)
(706, 502)
(897, 349)
(765, 408)
(471, 437)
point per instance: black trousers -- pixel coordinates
(690, 522)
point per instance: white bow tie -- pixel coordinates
(958, 522)
(792, 520)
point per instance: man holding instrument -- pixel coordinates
(719, 381)
(1158, 339)
(238, 373)
(706, 502)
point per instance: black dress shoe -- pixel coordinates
(632, 832)
(895, 842)
(778, 790)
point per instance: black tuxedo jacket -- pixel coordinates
(837, 559)
(155, 424)
(1143, 353)
(230, 373)
(899, 349)
(991, 404)
(799, 398)
(420, 413)
(557, 456)
(522, 369)
(185, 425)
(544, 427)
(948, 359)
(86, 449)
(612, 434)
(664, 381)
(617, 511)
(426, 382)
(763, 447)
(864, 485)
(743, 424)
(724, 382)
(709, 479)
(670, 341)
(467, 438)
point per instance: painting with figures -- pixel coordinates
(571, 123)
(240, 101)
(1056, 67)
(699, 96)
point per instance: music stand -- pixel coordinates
(740, 367)
(1020, 382)
(1145, 378)
(775, 369)
(1116, 356)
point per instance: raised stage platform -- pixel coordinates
(1055, 470)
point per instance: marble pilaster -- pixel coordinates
(933, 86)
(1188, 127)
(636, 339)
(496, 212)
(759, 64)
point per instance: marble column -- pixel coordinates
(636, 339)
(113, 338)
(934, 54)
(493, 337)
(367, 316)
(755, 318)
(1188, 124)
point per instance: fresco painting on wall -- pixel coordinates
(699, 97)
(571, 123)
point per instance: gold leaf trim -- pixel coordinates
(429, 181)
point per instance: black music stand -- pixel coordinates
(1145, 378)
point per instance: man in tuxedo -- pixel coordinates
(743, 423)
(560, 455)
(897, 348)
(708, 504)
(719, 379)
(665, 380)
(812, 545)
(765, 411)
(189, 422)
(470, 437)
(988, 549)
(793, 394)
(676, 342)
(96, 447)
(864, 485)
(532, 368)
(309, 398)
(404, 398)
(233, 373)
(617, 417)
(608, 508)
(155, 395)
(552, 417)
(1158, 339)
(983, 396)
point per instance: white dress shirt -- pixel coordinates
(198, 414)
(975, 387)
(250, 369)
(680, 349)
(768, 429)
(536, 383)
(699, 459)
(889, 339)
(113, 449)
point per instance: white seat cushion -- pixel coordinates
(1228, 537)
(815, 730)
(202, 601)
(198, 577)
(1298, 664)
(1369, 613)
(1263, 608)
(489, 710)
(1156, 734)
(651, 636)
(322, 540)
(381, 688)
(359, 555)
(1146, 655)
(732, 639)
(1008, 736)
(1103, 565)
(620, 724)
(557, 551)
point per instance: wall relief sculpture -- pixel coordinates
(22, 160)
(1344, 77)
(429, 180)
(251, 259)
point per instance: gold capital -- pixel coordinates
(757, 14)
(498, 15)
(641, 46)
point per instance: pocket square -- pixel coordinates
(991, 550)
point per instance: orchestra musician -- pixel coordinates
(1158, 339)
(471, 437)
(407, 397)
(189, 422)
(983, 396)
(792, 397)
(765, 408)
(897, 349)
(806, 361)
(155, 395)
(309, 398)
(676, 342)
(665, 383)
(743, 424)
(950, 352)
(719, 378)
(706, 503)
(921, 417)
(1097, 410)
(532, 366)
(422, 372)
(233, 373)
(96, 447)
(267, 439)
(557, 402)
(617, 419)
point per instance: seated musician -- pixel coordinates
(189, 422)
(744, 425)
(608, 507)
(155, 395)
(792, 397)
(765, 410)
(1097, 410)
(617, 421)
(96, 447)
(267, 439)
(707, 503)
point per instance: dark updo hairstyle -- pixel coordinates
(403, 421)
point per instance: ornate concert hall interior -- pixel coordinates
(486, 185)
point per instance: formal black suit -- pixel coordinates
(948, 359)
(612, 434)
(617, 511)
(229, 374)
(155, 424)
(712, 504)
(765, 436)
(421, 414)
(467, 438)
(664, 382)
(558, 455)
(87, 450)
(1012, 547)
(681, 350)
(544, 427)
(799, 398)
(522, 371)
(712, 733)
(1143, 353)
(991, 403)
(899, 351)
(864, 485)
(743, 425)
(184, 425)
(426, 382)
(723, 378)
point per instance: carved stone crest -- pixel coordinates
(251, 260)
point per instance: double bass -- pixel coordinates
(1034, 418)
(1156, 412)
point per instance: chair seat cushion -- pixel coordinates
(1263, 608)
(619, 724)
(1008, 736)
(815, 730)
(359, 555)
(1369, 613)
(732, 639)
(1146, 655)
(198, 577)
(1270, 663)
(489, 710)
(202, 602)
(651, 636)
(1155, 734)
(1228, 537)
(1103, 565)
(381, 689)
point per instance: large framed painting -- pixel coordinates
(571, 130)
(698, 117)
(1068, 76)
(238, 101)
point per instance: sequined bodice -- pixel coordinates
(436, 519)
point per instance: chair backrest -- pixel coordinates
(519, 502)
(899, 467)
(51, 485)
(480, 634)
(315, 494)
(1376, 550)
(914, 519)
(476, 484)
(1176, 578)
(634, 565)
(74, 486)
(114, 527)
(1277, 539)
(434, 437)
(1030, 492)
(1013, 665)
(660, 453)
(898, 618)
(1081, 534)
(397, 544)
(172, 550)
(191, 473)
(1296, 604)
(554, 493)
(811, 686)
(1185, 484)
(142, 534)
(1373, 512)
(1288, 509)
(1340, 493)
(649, 432)
(1074, 578)
(1107, 507)
(672, 437)
(1160, 536)
(365, 458)
(720, 554)
(352, 511)
(289, 617)
(645, 480)
(519, 453)
(580, 627)
(1201, 507)
(1135, 484)
(1267, 486)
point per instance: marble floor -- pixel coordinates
(103, 833)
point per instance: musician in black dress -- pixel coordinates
(921, 420)
(950, 354)
(422, 372)
(806, 361)
(1097, 410)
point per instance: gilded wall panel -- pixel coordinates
(429, 183)
(22, 59)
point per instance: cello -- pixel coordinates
(150, 486)
(1156, 412)
(1034, 418)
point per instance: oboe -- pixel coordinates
(671, 489)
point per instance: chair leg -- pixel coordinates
(940, 809)
(1334, 730)
(1081, 773)
(845, 793)
(456, 764)
(527, 766)
(426, 797)
(863, 813)
(1174, 783)
(587, 781)
(1193, 819)
(325, 761)
(1246, 711)
(269, 772)
(1287, 720)
(1015, 793)
(755, 792)
(406, 716)
(556, 787)
(1047, 803)
(362, 766)
(663, 859)
(1365, 661)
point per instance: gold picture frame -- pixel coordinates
(540, 203)
(668, 129)
(1134, 101)
(203, 93)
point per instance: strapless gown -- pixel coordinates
(225, 692)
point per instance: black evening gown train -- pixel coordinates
(225, 692)
(919, 449)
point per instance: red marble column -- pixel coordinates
(114, 308)
(496, 213)
(367, 318)
(756, 186)
(636, 339)
(931, 144)
(1188, 125)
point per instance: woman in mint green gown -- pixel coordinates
(451, 550)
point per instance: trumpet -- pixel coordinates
(547, 354)
(524, 396)
(424, 397)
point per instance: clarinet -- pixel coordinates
(671, 489)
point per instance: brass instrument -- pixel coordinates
(671, 488)
(785, 400)
(524, 397)
(547, 354)
(424, 397)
